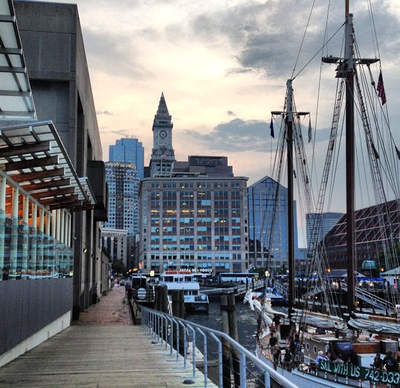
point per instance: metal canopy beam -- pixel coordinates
(19, 150)
(32, 163)
(30, 176)
(59, 200)
(47, 184)
(52, 193)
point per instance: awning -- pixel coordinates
(16, 102)
(33, 156)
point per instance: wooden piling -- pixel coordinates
(226, 349)
(233, 332)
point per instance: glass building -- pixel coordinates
(128, 150)
(268, 233)
(319, 224)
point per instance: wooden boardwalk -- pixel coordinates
(100, 355)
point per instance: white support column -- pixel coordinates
(3, 186)
(61, 236)
(25, 234)
(14, 234)
(43, 238)
(33, 239)
(58, 225)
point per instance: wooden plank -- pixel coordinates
(99, 356)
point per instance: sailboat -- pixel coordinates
(348, 338)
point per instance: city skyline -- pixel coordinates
(222, 68)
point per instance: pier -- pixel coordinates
(103, 349)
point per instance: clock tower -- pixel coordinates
(163, 155)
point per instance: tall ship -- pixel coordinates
(322, 341)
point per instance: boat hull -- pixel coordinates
(310, 379)
(197, 307)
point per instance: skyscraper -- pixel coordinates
(319, 224)
(123, 187)
(128, 150)
(268, 229)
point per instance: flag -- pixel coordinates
(381, 89)
(271, 127)
(309, 130)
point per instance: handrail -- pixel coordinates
(167, 328)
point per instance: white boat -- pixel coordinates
(195, 301)
(350, 340)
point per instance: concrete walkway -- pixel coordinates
(102, 349)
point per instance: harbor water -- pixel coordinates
(247, 325)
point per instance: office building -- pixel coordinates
(128, 150)
(319, 224)
(193, 213)
(268, 225)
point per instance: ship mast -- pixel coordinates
(289, 139)
(289, 115)
(346, 69)
(349, 69)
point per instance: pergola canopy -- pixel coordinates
(33, 155)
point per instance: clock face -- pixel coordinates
(163, 134)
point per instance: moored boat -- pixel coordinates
(195, 301)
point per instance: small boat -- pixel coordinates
(195, 301)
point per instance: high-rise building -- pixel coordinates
(128, 150)
(319, 224)
(268, 226)
(123, 188)
(123, 201)
(194, 213)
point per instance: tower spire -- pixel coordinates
(162, 111)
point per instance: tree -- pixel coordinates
(119, 267)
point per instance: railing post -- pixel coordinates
(220, 360)
(193, 349)
(243, 379)
(205, 357)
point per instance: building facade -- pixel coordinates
(198, 223)
(123, 189)
(268, 229)
(128, 150)
(116, 243)
(52, 190)
(319, 224)
(193, 213)
(377, 236)
(123, 204)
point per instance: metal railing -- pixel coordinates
(179, 335)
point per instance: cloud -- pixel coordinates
(234, 136)
(105, 112)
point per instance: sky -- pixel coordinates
(222, 66)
